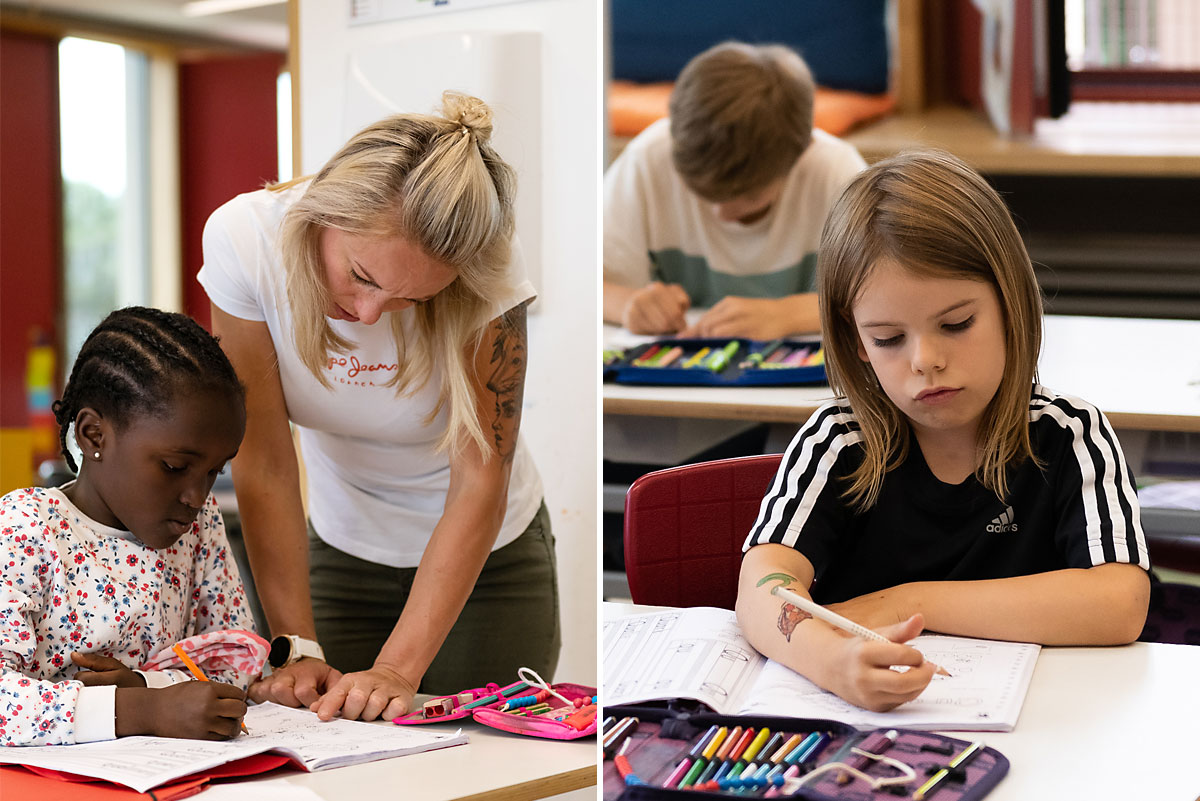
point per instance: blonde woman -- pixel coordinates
(946, 487)
(379, 306)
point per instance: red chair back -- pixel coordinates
(684, 529)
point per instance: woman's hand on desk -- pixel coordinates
(380, 692)
(301, 683)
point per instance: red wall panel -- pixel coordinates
(30, 209)
(228, 145)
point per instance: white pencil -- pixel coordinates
(833, 618)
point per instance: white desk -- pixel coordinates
(1144, 374)
(494, 765)
(1098, 724)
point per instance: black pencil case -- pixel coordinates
(743, 367)
(664, 737)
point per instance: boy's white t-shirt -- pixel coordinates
(376, 484)
(655, 228)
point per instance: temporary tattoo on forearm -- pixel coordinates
(507, 379)
(783, 578)
(790, 617)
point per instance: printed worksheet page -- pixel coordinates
(984, 692)
(696, 653)
(146, 762)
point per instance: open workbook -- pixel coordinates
(700, 653)
(146, 762)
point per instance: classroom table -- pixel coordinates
(1144, 374)
(1105, 724)
(493, 765)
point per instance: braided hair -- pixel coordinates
(134, 361)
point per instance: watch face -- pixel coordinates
(281, 650)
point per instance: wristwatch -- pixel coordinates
(289, 648)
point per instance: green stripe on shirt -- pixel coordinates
(706, 286)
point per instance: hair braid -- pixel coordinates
(134, 360)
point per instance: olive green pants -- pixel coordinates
(509, 621)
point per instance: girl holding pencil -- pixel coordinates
(104, 574)
(944, 488)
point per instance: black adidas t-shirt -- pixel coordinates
(1078, 509)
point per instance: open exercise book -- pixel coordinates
(146, 762)
(699, 653)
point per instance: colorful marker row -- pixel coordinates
(714, 359)
(745, 759)
(777, 354)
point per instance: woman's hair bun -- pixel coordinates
(469, 112)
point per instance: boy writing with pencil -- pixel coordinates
(721, 206)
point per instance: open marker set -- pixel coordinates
(556, 711)
(656, 753)
(718, 362)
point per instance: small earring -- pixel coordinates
(96, 455)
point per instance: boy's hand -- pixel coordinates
(862, 671)
(752, 318)
(101, 670)
(656, 309)
(194, 710)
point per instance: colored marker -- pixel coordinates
(756, 744)
(794, 755)
(786, 748)
(668, 357)
(608, 721)
(697, 357)
(612, 740)
(778, 355)
(721, 360)
(931, 786)
(624, 769)
(759, 355)
(810, 751)
(816, 358)
(697, 768)
(677, 774)
(771, 747)
(642, 360)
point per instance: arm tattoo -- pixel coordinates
(790, 617)
(506, 381)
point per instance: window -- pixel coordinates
(103, 91)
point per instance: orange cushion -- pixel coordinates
(633, 106)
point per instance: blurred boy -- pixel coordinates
(721, 206)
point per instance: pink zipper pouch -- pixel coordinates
(563, 721)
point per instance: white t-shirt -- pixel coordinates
(376, 485)
(655, 228)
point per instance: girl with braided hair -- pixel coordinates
(130, 557)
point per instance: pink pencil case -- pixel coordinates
(560, 722)
(483, 705)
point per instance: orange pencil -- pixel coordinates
(196, 671)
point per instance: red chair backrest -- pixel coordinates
(684, 529)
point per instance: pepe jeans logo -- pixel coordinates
(350, 371)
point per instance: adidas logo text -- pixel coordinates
(1002, 523)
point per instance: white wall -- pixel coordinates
(560, 420)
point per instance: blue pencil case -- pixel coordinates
(718, 362)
